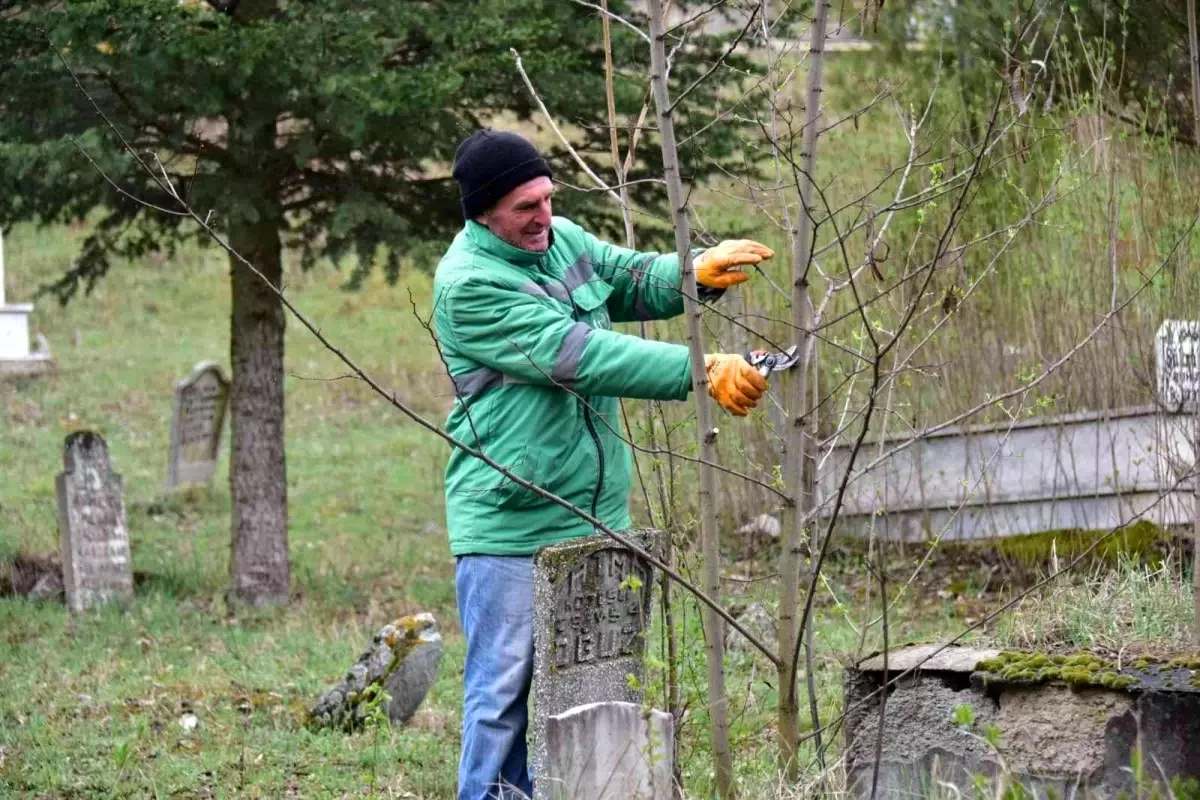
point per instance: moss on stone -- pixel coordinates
(1138, 540)
(1078, 671)
(1191, 662)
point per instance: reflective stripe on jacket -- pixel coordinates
(517, 330)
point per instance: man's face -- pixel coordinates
(522, 217)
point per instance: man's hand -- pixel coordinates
(733, 383)
(721, 267)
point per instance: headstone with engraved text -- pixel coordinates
(196, 424)
(1177, 347)
(591, 602)
(91, 524)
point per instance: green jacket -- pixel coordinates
(515, 327)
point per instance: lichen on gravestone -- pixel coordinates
(402, 658)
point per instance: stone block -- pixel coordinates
(402, 657)
(197, 420)
(608, 751)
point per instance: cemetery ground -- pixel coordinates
(177, 696)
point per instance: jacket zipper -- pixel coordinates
(587, 412)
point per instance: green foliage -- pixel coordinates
(335, 122)
(375, 703)
(1130, 58)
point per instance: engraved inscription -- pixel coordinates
(201, 401)
(600, 609)
(201, 408)
(92, 519)
(1178, 349)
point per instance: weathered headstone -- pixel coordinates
(591, 602)
(759, 621)
(91, 524)
(196, 424)
(402, 657)
(1177, 347)
(609, 751)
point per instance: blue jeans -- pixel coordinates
(495, 605)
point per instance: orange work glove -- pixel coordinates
(721, 267)
(733, 383)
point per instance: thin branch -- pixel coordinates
(615, 18)
(554, 126)
(716, 64)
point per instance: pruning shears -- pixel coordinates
(766, 361)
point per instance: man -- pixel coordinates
(523, 309)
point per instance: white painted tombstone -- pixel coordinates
(91, 524)
(196, 423)
(16, 357)
(1177, 353)
(1177, 347)
(608, 751)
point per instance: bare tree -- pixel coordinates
(706, 433)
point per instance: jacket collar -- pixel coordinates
(492, 244)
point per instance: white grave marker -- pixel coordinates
(1177, 347)
(15, 355)
(196, 424)
(608, 751)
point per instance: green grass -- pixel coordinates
(365, 536)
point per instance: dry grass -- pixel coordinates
(1132, 608)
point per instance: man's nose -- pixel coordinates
(544, 213)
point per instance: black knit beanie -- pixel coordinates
(489, 164)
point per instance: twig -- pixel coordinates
(614, 17)
(554, 126)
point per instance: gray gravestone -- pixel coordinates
(91, 524)
(591, 603)
(608, 751)
(196, 423)
(1177, 347)
(402, 657)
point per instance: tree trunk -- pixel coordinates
(799, 470)
(259, 570)
(714, 627)
(1194, 63)
(1194, 58)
